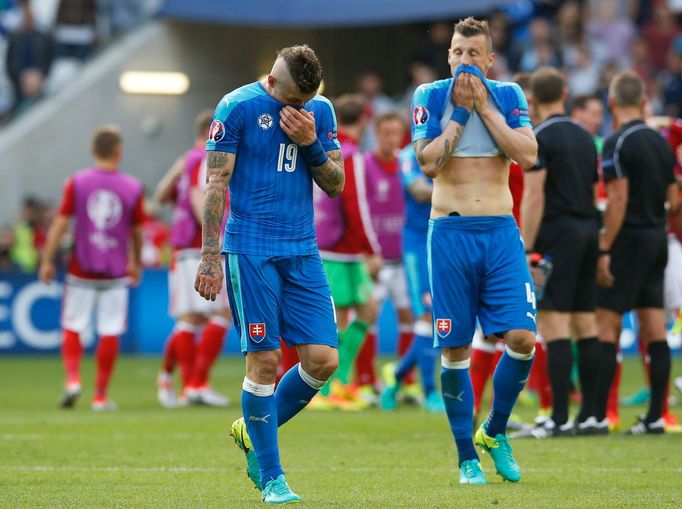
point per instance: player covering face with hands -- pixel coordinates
(270, 140)
(465, 132)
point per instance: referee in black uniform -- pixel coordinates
(559, 221)
(638, 169)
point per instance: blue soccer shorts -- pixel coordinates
(416, 272)
(280, 296)
(477, 269)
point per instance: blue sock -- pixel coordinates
(427, 357)
(407, 362)
(260, 415)
(294, 392)
(509, 380)
(458, 396)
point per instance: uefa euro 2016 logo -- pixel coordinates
(420, 115)
(104, 209)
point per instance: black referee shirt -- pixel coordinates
(568, 153)
(641, 155)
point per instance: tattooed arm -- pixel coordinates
(330, 176)
(433, 154)
(209, 278)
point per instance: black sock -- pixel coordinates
(659, 375)
(588, 369)
(607, 369)
(559, 365)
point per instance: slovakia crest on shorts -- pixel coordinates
(217, 131)
(443, 327)
(257, 332)
(420, 115)
(265, 121)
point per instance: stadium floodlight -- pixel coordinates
(161, 83)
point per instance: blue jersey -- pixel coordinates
(416, 214)
(432, 108)
(271, 200)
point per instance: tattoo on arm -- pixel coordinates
(219, 170)
(419, 147)
(330, 176)
(449, 145)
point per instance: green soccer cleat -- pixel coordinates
(501, 453)
(434, 403)
(470, 473)
(241, 439)
(389, 398)
(277, 491)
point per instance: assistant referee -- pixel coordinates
(559, 221)
(638, 170)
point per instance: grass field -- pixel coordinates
(145, 456)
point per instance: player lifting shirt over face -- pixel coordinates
(466, 130)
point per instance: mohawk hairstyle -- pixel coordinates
(304, 67)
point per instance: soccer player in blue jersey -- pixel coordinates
(418, 190)
(466, 129)
(270, 140)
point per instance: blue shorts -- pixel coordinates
(416, 271)
(280, 296)
(478, 269)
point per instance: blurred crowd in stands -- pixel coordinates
(590, 40)
(44, 43)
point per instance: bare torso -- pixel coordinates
(472, 186)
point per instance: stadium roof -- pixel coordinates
(316, 13)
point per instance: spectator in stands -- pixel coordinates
(371, 86)
(6, 243)
(671, 80)
(660, 33)
(611, 30)
(24, 252)
(420, 72)
(538, 51)
(438, 45)
(584, 73)
(569, 31)
(75, 30)
(29, 57)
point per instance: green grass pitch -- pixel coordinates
(145, 456)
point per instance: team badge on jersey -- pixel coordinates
(420, 115)
(265, 121)
(257, 332)
(217, 131)
(443, 327)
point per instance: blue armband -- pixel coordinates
(460, 115)
(314, 154)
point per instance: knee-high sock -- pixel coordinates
(208, 349)
(427, 355)
(646, 359)
(184, 350)
(614, 391)
(107, 351)
(350, 342)
(607, 369)
(539, 376)
(482, 359)
(405, 340)
(509, 380)
(588, 369)
(72, 352)
(260, 414)
(289, 359)
(169, 354)
(560, 364)
(294, 392)
(659, 353)
(458, 396)
(364, 365)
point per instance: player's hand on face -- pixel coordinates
(209, 280)
(46, 272)
(604, 276)
(479, 92)
(462, 95)
(298, 125)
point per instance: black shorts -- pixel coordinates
(572, 244)
(638, 260)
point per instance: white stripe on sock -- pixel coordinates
(423, 328)
(448, 364)
(258, 389)
(519, 356)
(312, 382)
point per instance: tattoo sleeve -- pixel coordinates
(434, 154)
(330, 176)
(219, 170)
